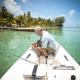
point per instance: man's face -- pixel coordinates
(39, 33)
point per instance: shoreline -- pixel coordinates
(31, 28)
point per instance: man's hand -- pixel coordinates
(43, 50)
(34, 45)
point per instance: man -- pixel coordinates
(48, 43)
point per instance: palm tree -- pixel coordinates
(35, 21)
(10, 19)
(59, 21)
(6, 17)
(29, 18)
(19, 20)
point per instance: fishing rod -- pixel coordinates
(27, 56)
(20, 57)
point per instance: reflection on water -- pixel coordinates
(69, 38)
(17, 39)
(57, 31)
(17, 42)
(12, 42)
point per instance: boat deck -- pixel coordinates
(63, 67)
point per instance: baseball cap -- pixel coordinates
(38, 28)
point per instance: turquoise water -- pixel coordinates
(70, 40)
(17, 42)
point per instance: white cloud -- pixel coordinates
(70, 21)
(71, 12)
(24, 1)
(27, 2)
(49, 17)
(37, 14)
(62, 15)
(13, 7)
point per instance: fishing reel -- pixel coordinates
(37, 44)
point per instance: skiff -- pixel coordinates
(32, 66)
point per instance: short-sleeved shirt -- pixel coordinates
(48, 40)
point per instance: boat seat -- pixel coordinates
(36, 72)
(28, 77)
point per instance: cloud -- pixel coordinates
(71, 12)
(37, 14)
(24, 1)
(69, 21)
(27, 2)
(62, 15)
(13, 7)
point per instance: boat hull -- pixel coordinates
(62, 67)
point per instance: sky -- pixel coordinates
(52, 9)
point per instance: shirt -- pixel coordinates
(48, 40)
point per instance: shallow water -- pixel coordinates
(16, 43)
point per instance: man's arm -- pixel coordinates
(39, 48)
(43, 50)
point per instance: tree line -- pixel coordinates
(26, 20)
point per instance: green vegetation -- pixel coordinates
(26, 20)
(6, 18)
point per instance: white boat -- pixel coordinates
(33, 67)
